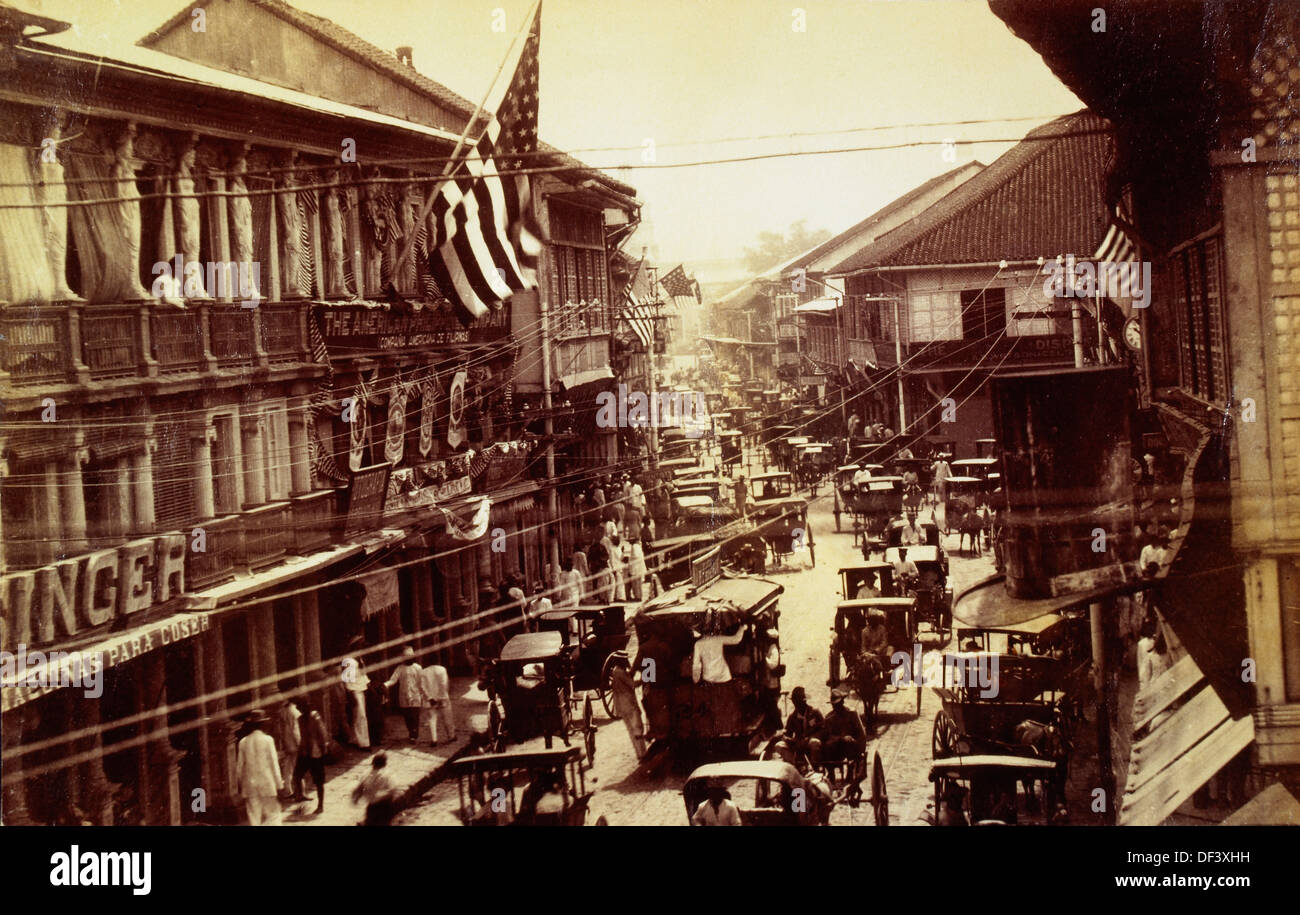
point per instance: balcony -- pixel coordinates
(316, 521)
(215, 565)
(266, 532)
(78, 343)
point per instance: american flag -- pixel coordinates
(676, 282)
(488, 244)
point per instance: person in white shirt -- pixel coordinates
(708, 661)
(717, 809)
(1153, 554)
(440, 714)
(905, 570)
(257, 773)
(861, 477)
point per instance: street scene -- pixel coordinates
(864, 414)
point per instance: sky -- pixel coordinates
(699, 79)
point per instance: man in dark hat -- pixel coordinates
(804, 726)
(844, 737)
(257, 772)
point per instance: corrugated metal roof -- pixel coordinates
(1043, 197)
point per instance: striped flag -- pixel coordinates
(487, 243)
(676, 282)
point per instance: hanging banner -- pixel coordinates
(358, 432)
(426, 419)
(395, 440)
(381, 592)
(477, 526)
(456, 411)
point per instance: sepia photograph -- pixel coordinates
(678, 413)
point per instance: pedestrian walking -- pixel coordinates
(355, 685)
(627, 708)
(257, 772)
(311, 754)
(411, 695)
(441, 714)
(287, 725)
(377, 790)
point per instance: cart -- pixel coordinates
(596, 639)
(537, 788)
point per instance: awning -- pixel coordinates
(1274, 806)
(589, 376)
(823, 304)
(381, 592)
(72, 666)
(987, 605)
(1182, 752)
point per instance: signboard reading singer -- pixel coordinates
(366, 498)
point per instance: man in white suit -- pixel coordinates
(257, 773)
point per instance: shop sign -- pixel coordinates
(706, 568)
(366, 499)
(40, 606)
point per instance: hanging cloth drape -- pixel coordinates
(24, 267)
(107, 234)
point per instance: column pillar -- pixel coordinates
(94, 791)
(73, 499)
(299, 452)
(125, 523)
(204, 495)
(13, 797)
(261, 649)
(49, 531)
(219, 769)
(254, 461)
(142, 491)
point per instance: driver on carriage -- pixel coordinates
(804, 724)
(910, 535)
(875, 638)
(867, 590)
(843, 737)
(905, 571)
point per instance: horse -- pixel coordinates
(973, 525)
(868, 672)
(1045, 741)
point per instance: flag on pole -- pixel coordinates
(676, 282)
(487, 243)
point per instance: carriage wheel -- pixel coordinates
(605, 689)
(943, 741)
(920, 692)
(834, 679)
(496, 730)
(879, 793)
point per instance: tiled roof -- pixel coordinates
(880, 215)
(1043, 197)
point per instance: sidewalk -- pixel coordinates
(411, 767)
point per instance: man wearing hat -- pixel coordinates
(412, 694)
(804, 726)
(844, 737)
(257, 772)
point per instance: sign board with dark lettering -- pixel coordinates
(354, 330)
(366, 497)
(706, 568)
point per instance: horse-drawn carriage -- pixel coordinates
(596, 639)
(996, 790)
(915, 476)
(930, 588)
(531, 693)
(781, 516)
(772, 792)
(812, 461)
(963, 499)
(1007, 705)
(537, 788)
(873, 503)
(775, 438)
(731, 444)
(705, 649)
(871, 675)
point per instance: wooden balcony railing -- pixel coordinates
(77, 343)
(223, 539)
(316, 521)
(266, 534)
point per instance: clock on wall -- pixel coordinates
(1133, 333)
